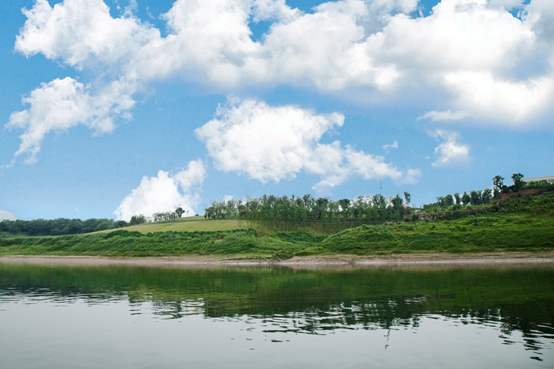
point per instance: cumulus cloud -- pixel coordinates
(483, 60)
(514, 103)
(450, 151)
(62, 104)
(276, 143)
(539, 16)
(6, 215)
(82, 33)
(164, 192)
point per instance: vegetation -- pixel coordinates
(320, 215)
(487, 196)
(55, 227)
(281, 227)
(185, 225)
(515, 224)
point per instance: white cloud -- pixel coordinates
(82, 33)
(483, 60)
(506, 4)
(450, 151)
(440, 116)
(514, 103)
(539, 16)
(63, 104)
(165, 192)
(388, 147)
(6, 215)
(275, 143)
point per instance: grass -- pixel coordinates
(521, 224)
(496, 233)
(188, 225)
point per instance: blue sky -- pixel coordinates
(114, 108)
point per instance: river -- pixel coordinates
(426, 316)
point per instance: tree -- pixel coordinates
(498, 182)
(457, 198)
(344, 204)
(466, 199)
(408, 198)
(448, 200)
(179, 211)
(486, 196)
(379, 200)
(475, 197)
(137, 219)
(499, 187)
(518, 183)
(397, 203)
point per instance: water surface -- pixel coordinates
(56, 316)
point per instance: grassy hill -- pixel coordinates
(516, 224)
(185, 225)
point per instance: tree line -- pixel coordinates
(486, 196)
(289, 213)
(457, 201)
(57, 227)
(157, 217)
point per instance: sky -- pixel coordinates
(112, 108)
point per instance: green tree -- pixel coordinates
(344, 206)
(137, 219)
(466, 200)
(408, 198)
(179, 211)
(448, 201)
(440, 201)
(457, 198)
(518, 183)
(486, 196)
(498, 185)
(475, 197)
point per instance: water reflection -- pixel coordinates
(515, 301)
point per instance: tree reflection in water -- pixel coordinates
(511, 298)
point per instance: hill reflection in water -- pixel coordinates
(515, 301)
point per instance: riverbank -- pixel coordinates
(518, 225)
(306, 261)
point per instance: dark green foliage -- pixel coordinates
(299, 236)
(475, 197)
(55, 227)
(520, 223)
(137, 219)
(516, 224)
(486, 196)
(320, 215)
(179, 211)
(518, 184)
(466, 199)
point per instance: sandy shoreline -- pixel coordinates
(304, 261)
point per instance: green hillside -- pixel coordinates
(514, 224)
(185, 226)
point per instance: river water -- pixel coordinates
(56, 316)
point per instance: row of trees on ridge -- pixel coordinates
(284, 212)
